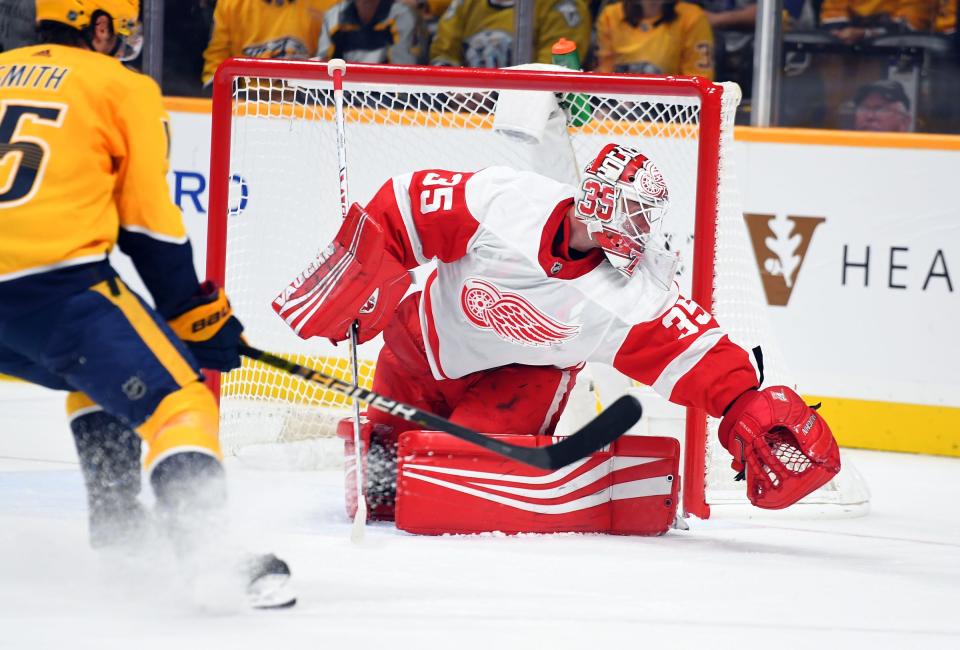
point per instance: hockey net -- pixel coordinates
(274, 202)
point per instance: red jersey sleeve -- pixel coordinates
(686, 357)
(425, 216)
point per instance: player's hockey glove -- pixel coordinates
(209, 328)
(783, 446)
(355, 278)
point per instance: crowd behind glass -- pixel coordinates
(873, 65)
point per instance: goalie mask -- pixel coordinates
(622, 200)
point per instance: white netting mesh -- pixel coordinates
(285, 205)
(284, 166)
(738, 301)
(739, 306)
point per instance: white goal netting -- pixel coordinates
(284, 205)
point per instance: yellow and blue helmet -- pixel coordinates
(79, 13)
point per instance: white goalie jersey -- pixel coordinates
(508, 290)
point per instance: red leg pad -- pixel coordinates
(449, 486)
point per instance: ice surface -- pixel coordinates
(889, 580)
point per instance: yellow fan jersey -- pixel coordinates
(83, 151)
(263, 29)
(479, 33)
(683, 46)
(835, 14)
(945, 20)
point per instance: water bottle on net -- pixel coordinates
(577, 105)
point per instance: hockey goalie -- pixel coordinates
(533, 279)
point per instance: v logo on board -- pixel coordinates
(780, 245)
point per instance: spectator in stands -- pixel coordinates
(186, 30)
(852, 21)
(881, 106)
(479, 33)
(429, 12)
(428, 9)
(18, 23)
(945, 19)
(370, 31)
(735, 15)
(264, 29)
(741, 15)
(734, 25)
(654, 37)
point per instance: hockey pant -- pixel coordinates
(118, 358)
(514, 399)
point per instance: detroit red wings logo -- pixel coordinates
(511, 316)
(651, 181)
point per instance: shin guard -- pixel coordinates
(109, 454)
(186, 420)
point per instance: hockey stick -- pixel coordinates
(612, 423)
(336, 68)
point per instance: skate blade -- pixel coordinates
(271, 592)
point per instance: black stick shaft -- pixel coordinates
(603, 430)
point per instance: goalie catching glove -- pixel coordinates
(209, 328)
(353, 279)
(784, 447)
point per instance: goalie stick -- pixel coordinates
(612, 423)
(336, 68)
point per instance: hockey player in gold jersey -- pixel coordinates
(83, 163)
(654, 37)
(479, 33)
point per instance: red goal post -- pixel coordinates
(257, 103)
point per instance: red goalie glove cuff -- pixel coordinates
(785, 447)
(353, 279)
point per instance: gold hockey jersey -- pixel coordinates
(263, 29)
(84, 152)
(479, 33)
(391, 36)
(683, 46)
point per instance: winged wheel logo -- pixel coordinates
(511, 316)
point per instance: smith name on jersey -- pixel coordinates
(64, 109)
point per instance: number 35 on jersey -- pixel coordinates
(437, 192)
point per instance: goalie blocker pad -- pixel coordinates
(353, 279)
(445, 485)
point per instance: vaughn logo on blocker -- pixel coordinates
(780, 246)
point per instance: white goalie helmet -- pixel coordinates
(622, 200)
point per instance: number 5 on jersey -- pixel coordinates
(23, 158)
(438, 192)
